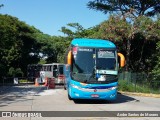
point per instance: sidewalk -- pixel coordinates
(141, 94)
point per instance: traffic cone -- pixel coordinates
(36, 82)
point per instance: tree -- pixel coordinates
(76, 30)
(156, 70)
(15, 72)
(52, 47)
(18, 46)
(133, 8)
(136, 41)
(61, 45)
(130, 26)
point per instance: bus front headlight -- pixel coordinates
(113, 88)
(74, 86)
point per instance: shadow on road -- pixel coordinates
(15, 94)
(3, 105)
(120, 99)
(21, 90)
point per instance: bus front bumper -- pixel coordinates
(76, 92)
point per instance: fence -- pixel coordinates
(138, 82)
(7, 81)
(128, 81)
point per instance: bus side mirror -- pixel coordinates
(69, 58)
(122, 59)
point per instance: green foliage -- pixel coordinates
(42, 61)
(127, 8)
(23, 81)
(130, 87)
(52, 48)
(15, 72)
(21, 44)
(134, 34)
(156, 70)
(76, 30)
(18, 47)
(137, 41)
(58, 46)
(124, 86)
(115, 29)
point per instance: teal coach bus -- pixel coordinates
(91, 69)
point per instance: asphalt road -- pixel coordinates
(31, 98)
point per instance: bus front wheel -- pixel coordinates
(64, 86)
(69, 97)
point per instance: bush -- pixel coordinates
(23, 81)
(125, 86)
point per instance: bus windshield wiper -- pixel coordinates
(92, 74)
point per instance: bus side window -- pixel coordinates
(55, 68)
(44, 68)
(49, 68)
(61, 70)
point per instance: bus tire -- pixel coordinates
(64, 87)
(69, 97)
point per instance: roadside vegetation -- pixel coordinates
(125, 86)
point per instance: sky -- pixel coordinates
(50, 15)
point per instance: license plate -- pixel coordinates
(95, 95)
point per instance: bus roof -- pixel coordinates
(31, 65)
(99, 43)
(54, 64)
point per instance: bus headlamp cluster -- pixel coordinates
(112, 88)
(74, 86)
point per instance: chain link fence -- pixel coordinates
(138, 82)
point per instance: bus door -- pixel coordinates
(61, 76)
(55, 71)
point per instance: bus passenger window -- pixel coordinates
(49, 68)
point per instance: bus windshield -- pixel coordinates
(105, 59)
(87, 60)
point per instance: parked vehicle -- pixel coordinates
(47, 71)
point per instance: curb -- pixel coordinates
(140, 94)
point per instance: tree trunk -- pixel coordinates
(128, 48)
